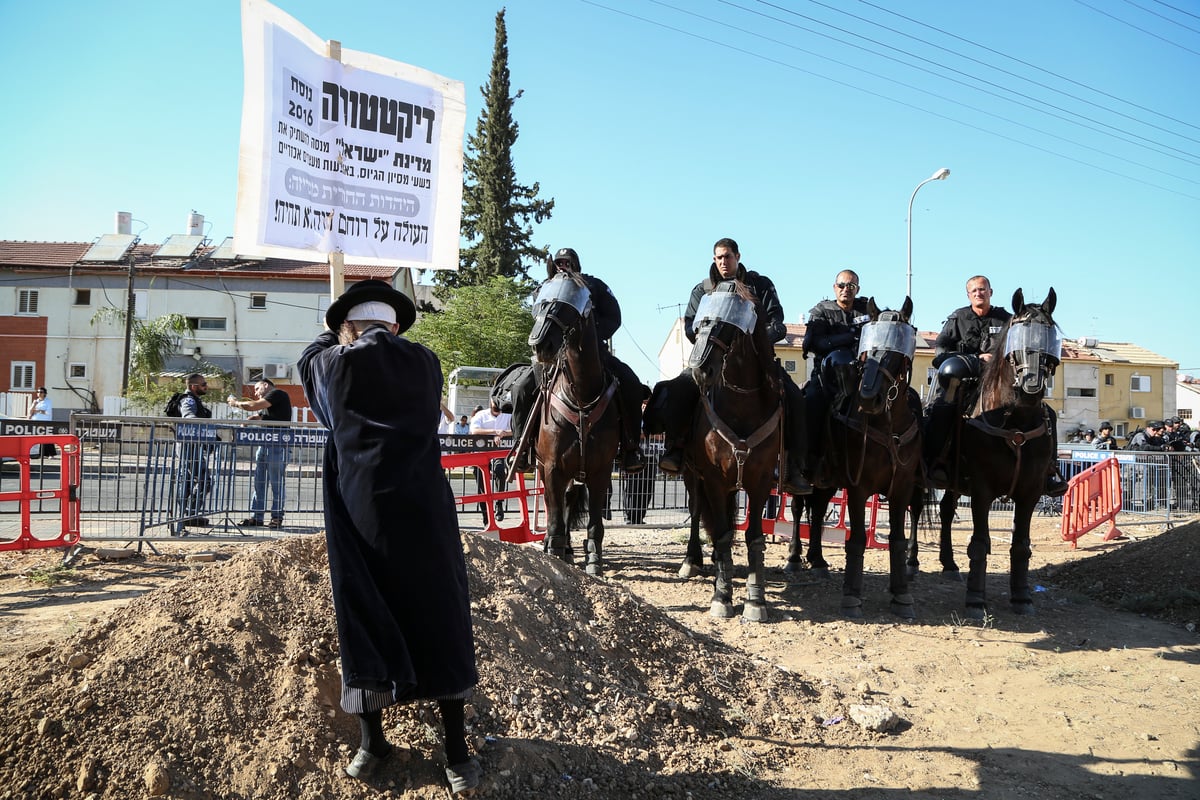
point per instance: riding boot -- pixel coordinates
(676, 402)
(795, 431)
(629, 398)
(939, 422)
(1056, 484)
(524, 396)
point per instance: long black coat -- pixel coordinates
(395, 556)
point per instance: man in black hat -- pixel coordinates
(395, 557)
(1105, 440)
(607, 314)
(675, 401)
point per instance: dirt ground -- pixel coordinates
(165, 675)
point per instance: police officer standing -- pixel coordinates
(1105, 440)
(675, 400)
(630, 390)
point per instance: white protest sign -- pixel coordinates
(361, 155)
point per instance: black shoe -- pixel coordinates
(1055, 485)
(195, 522)
(632, 461)
(794, 482)
(521, 463)
(250, 522)
(276, 522)
(671, 461)
(938, 476)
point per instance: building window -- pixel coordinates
(27, 301)
(789, 366)
(254, 374)
(1109, 379)
(77, 371)
(206, 323)
(141, 305)
(1081, 392)
(258, 301)
(1139, 383)
(83, 297)
(22, 376)
(1185, 413)
(1122, 430)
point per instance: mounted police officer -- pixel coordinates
(675, 400)
(607, 314)
(831, 336)
(962, 350)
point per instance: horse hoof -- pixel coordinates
(1023, 608)
(912, 572)
(792, 567)
(595, 570)
(754, 612)
(720, 609)
(689, 570)
(952, 575)
(852, 608)
(820, 572)
(904, 610)
(977, 613)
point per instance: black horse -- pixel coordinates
(578, 432)
(735, 439)
(1004, 450)
(872, 444)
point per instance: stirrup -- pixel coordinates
(671, 461)
(632, 461)
(1055, 485)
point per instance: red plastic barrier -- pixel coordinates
(839, 501)
(482, 460)
(1093, 497)
(66, 493)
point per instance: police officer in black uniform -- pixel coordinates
(832, 332)
(962, 350)
(630, 390)
(675, 400)
(1106, 440)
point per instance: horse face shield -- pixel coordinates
(885, 348)
(1034, 349)
(562, 302)
(718, 318)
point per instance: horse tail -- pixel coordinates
(576, 501)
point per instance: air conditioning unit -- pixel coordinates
(276, 370)
(1137, 412)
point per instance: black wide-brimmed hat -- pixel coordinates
(371, 291)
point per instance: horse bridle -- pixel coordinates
(892, 442)
(570, 408)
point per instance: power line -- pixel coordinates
(726, 46)
(1163, 16)
(1136, 28)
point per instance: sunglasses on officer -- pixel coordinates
(851, 286)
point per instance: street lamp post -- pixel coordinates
(940, 175)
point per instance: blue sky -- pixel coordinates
(800, 129)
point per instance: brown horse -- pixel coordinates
(873, 446)
(578, 428)
(735, 439)
(1005, 450)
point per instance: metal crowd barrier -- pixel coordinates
(135, 473)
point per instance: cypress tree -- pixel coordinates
(496, 210)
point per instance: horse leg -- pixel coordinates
(916, 508)
(818, 505)
(1018, 557)
(719, 523)
(755, 609)
(795, 548)
(693, 561)
(977, 554)
(557, 540)
(597, 500)
(902, 600)
(946, 511)
(856, 546)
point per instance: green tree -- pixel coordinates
(480, 326)
(150, 343)
(496, 210)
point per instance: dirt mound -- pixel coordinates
(225, 684)
(1158, 576)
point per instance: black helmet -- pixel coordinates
(1106, 426)
(1089, 432)
(568, 254)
